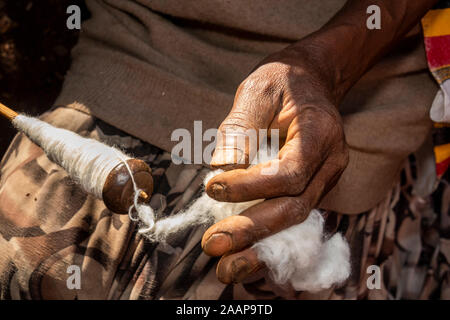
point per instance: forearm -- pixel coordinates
(344, 49)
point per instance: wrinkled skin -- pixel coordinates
(285, 95)
(297, 91)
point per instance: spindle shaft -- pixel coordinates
(7, 112)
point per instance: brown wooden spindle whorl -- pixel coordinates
(118, 191)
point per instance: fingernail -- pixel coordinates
(240, 269)
(217, 191)
(218, 244)
(227, 155)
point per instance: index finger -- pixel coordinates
(287, 175)
(269, 217)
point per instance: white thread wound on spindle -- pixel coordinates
(87, 161)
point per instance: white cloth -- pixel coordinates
(440, 109)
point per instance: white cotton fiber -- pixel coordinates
(299, 255)
(203, 211)
(333, 267)
(295, 248)
(87, 161)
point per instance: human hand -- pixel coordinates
(288, 91)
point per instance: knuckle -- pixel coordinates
(335, 167)
(333, 132)
(258, 85)
(295, 181)
(327, 116)
(325, 120)
(265, 80)
(332, 120)
(341, 158)
(237, 121)
(298, 209)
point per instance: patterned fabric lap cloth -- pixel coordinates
(436, 28)
(47, 224)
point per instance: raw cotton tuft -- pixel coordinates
(299, 255)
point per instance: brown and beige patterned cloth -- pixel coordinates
(48, 224)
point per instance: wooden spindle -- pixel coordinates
(7, 112)
(118, 191)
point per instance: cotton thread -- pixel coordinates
(300, 255)
(146, 214)
(86, 160)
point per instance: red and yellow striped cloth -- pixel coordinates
(436, 28)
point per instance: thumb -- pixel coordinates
(238, 135)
